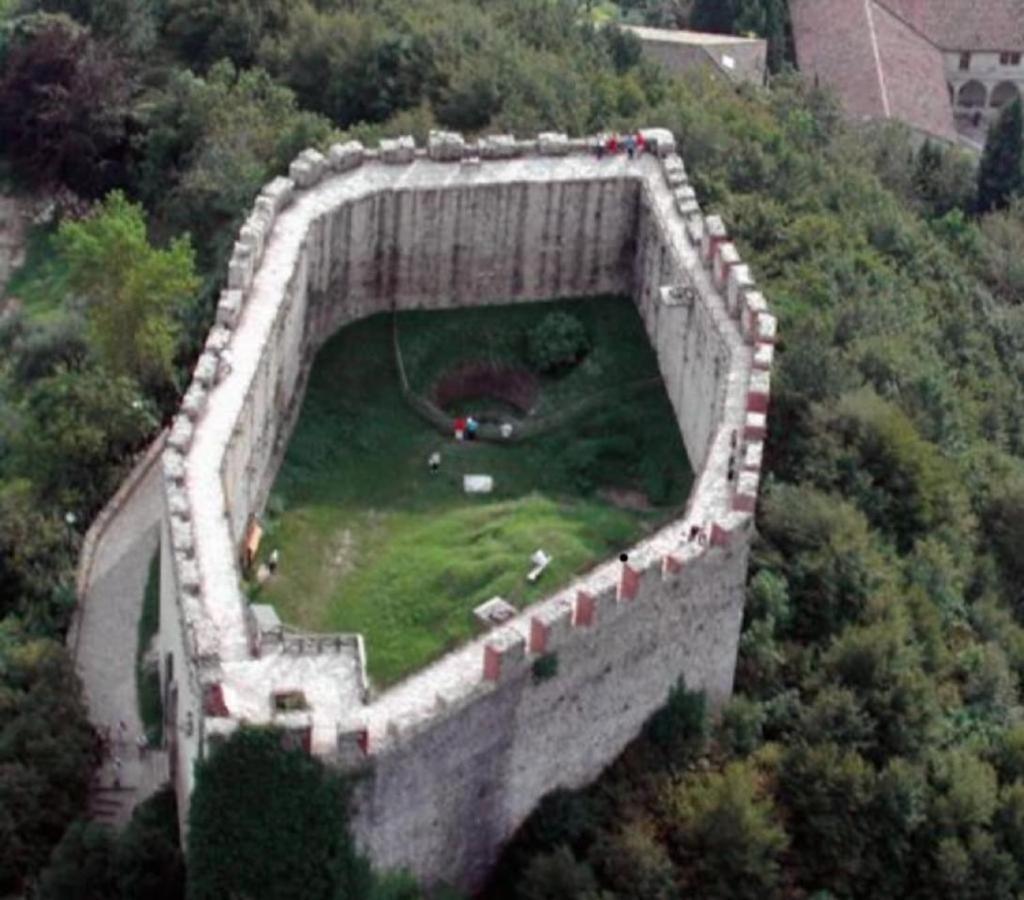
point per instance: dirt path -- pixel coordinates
(105, 649)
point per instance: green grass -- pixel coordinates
(370, 541)
(147, 678)
(41, 283)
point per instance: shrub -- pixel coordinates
(269, 822)
(679, 729)
(559, 340)
(545, 667)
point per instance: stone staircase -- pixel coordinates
(140, 779)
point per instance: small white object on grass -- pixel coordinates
(540, 562)
(506, 430)
(477, 484)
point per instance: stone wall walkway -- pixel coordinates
(104, 650)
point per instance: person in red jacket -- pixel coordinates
(613, 144)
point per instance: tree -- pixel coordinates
(130, 24)
(680, 728)
(93, 862)
(46, 752)
(726, 831)
(634, 863)
(77, 432)
(558, 876)
(1001, 176)
(827, 792)
(828, 554)
(132, 290)
(63, 105)
(270, 822)
(36, 560)
(222, 137)
(205, 31)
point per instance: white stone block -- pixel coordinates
(398, 151)
(206, 369)
(446, 146)
(229, 307)
(552, 143)
(174, 465)
(660, 141)
(499, 146)
(740, 281)
(477, 484)
(279, 192)
(194, 401)
(714, 234)
(726, 257)
(181, 434)
(753, 305)
(764, 356)
(765, 328)
(345, 157)
(688, 208)
(753, 455)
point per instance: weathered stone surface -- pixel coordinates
(553, 143)
(308, 168)
(347, 156)
(429, 236)
(228, 308)
(446, 146)
(279, 192)
(398, 151)
(660, 141)
(498, 146)
(194, 401)
(181, 433)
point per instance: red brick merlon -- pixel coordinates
(721, 536)
(550, 626)
(629, 582)
(585, 610)
(759, 391)
(505, 648)
(671, 565)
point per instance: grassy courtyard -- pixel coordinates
(371, 541)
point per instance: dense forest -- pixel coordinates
(875, 745)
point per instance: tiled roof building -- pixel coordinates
(940, 66)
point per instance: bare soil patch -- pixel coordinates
(516, 386)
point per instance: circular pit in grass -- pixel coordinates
(494, 391)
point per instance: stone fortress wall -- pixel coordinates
(457, 755)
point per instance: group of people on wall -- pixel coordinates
(633, 145)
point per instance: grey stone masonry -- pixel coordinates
(455, 756)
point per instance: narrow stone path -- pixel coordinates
(105, 651)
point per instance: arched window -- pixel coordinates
(972, 94)
(1003, 93)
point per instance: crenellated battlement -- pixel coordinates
(354, 231)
